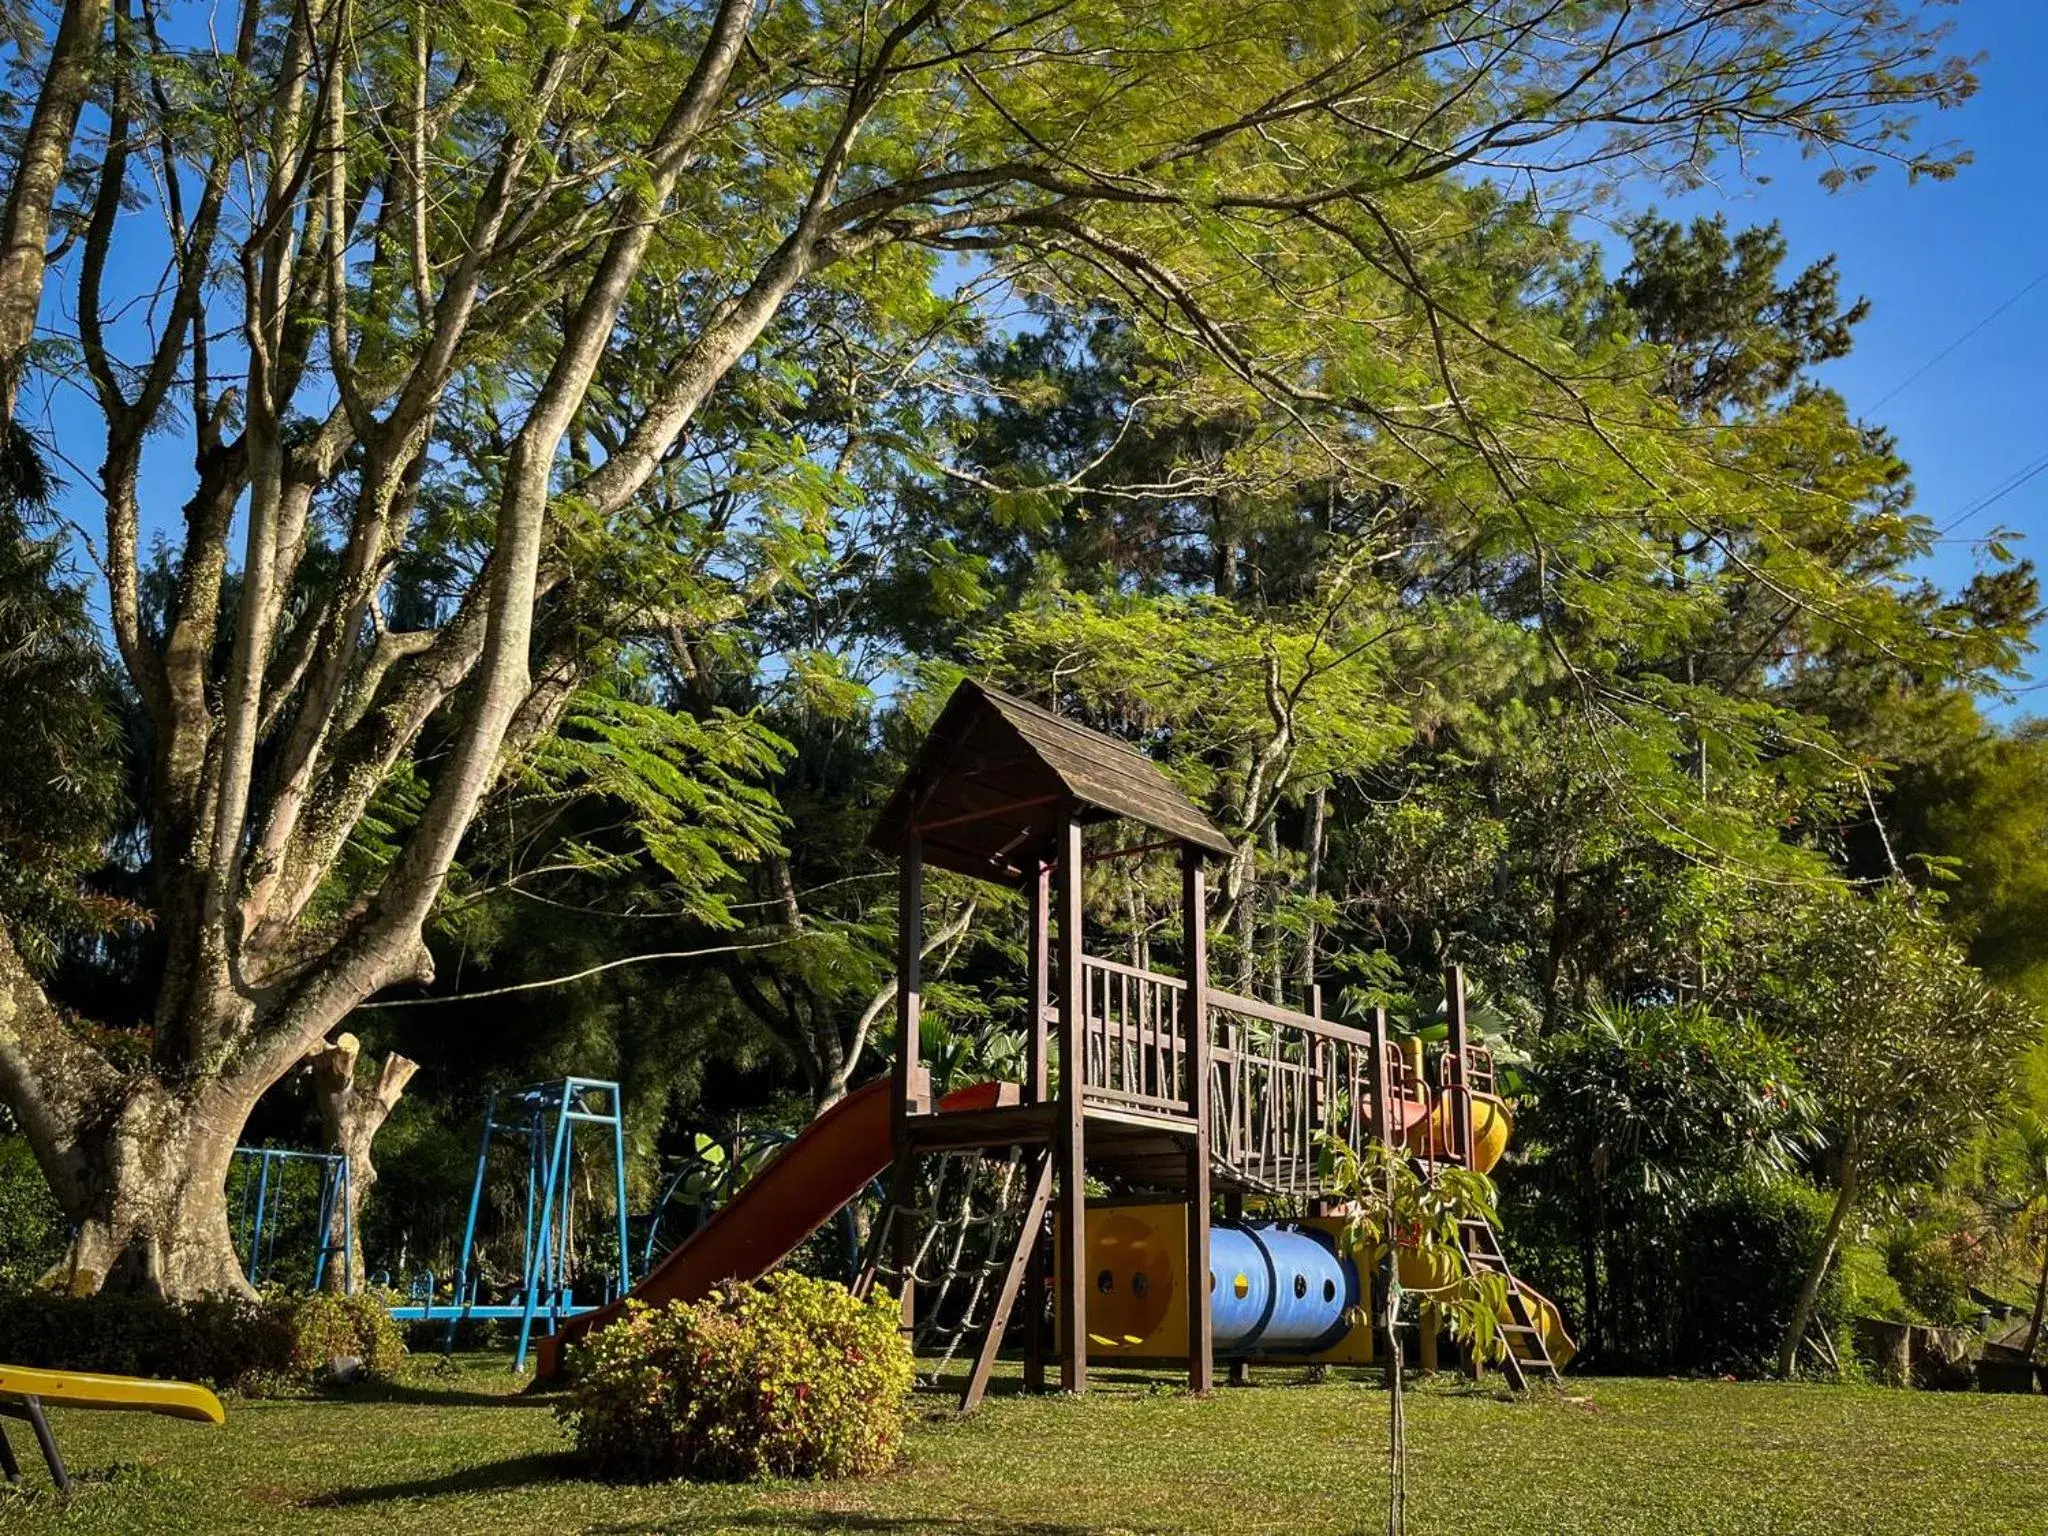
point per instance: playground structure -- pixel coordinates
(267, 1197)
(1170, 1091)
(547, 1116)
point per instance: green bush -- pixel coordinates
(229, 1342)
(1636, 1121)
(1934, 1271)
(1869, 1289)
(233, 1343)
(327, 1328)
(793, 1377)
(1744, 1258)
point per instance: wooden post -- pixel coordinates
(1069, 1135)
(1454, 1078)
(1021, 1258)
(1037, 1279)
(1038, 965)
(909, 1096)
(1194, 915)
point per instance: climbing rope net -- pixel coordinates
(966, 1208)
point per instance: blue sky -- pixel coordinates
(1936, 260)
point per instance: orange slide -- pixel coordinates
(806, 1185)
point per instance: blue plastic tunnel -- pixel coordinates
(1277, 1289)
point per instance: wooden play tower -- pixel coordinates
(1164, 1083)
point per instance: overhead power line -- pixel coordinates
(1997, 493)
(1928, 367)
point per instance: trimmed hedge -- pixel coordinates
(231, 1343)
(792, 1377)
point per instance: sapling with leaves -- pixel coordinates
(1402, 1216)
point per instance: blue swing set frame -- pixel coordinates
(259, 1228)
(546, 1114)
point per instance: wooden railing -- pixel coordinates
(1278, 1080)
(1134, 1036)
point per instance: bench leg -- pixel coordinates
(8, 1465)
(48, 1442)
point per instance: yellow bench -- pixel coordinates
(24, 1391)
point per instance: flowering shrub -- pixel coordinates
(792, 1377)
(328, 1329)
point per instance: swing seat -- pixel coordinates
(23, 1391)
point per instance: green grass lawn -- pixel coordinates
(460, 1453)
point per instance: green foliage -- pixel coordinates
(1396, 1208)
(693, 790)
(328, 1328)
(59, 723)
(31, 1222)
(789, 1378)
(226, 1342)
(1665, 1101)
(1742, 1256)
(1904, 1047)
(1638, 1120)
(1868, 1289)
(1980, 813)
(1738, 336)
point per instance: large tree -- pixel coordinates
(380, 275)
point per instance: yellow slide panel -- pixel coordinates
(82, 1389)
(1549, 1322)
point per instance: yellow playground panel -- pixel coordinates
(23, 1391)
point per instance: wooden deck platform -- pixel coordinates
(1132, 1150)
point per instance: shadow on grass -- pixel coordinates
(491, 1477)
(425, 1394)
(822, 1520)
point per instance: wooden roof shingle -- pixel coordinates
(988, 788)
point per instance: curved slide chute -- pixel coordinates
(807, 1183)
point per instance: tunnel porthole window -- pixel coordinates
(1329, 1290)
(1242, 1286)
(1105, 1282)
(1212, 1282)
(1300, 1287)
(1140, 1284)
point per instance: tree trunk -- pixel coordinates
(1312, 886)
(1592, 1240)
(1809, 1292)
(351, 1114)
(154, 1216)
(2040, 1303)
(38, 171)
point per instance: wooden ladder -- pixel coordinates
(1483, 1254)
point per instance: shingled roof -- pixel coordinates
(993, 778)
